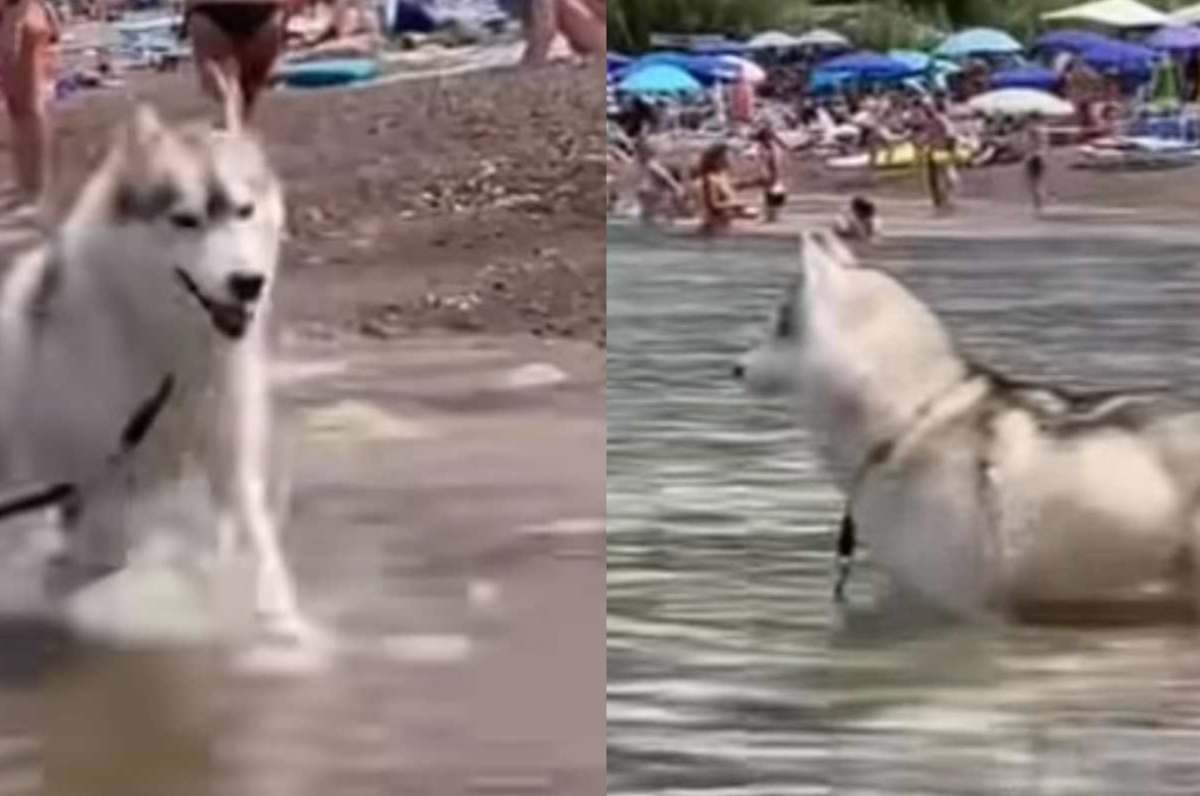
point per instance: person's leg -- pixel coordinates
(256, 59)
(26, 67)
(585, 31)
(540, 21)
(212, 48)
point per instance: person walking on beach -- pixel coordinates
(1035, 163)
(29, 35)
(242, 39)
(719, 202)
(937, 141)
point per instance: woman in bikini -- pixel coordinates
(29, 33)
(241, 38)
(718, 199)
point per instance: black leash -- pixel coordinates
(23, 500)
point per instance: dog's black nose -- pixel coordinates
(246, 287)
(739, 372)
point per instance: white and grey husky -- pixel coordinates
(133, 348)
(973, 490)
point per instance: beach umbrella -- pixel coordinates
(707, 69)
(1122, 14)
(868, 66)
(978, 41)
(747, 70)
(1025, 77)
(1121, 57)
(1175, 39)
(1072, 41)
(923, 62)
(1186, 16)
(772, 40)
(820, 37)
(1020, 102)
(660, 79)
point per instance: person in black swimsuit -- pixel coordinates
(242, 39)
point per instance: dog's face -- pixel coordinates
(204, 209)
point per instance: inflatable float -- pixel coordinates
(898, 157)
(325, 74)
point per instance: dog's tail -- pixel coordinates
(230, 94)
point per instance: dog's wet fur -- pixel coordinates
(982, 493)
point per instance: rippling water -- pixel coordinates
(731, 673)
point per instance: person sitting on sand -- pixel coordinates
(351, 31)
(241, 39)
(859, 222)
(656, 184)
(583, 23)
(719, 202)
(29, 34)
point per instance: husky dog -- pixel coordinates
(151, 299)
(979, 493)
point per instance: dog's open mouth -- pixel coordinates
(231, 320)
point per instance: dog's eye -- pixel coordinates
(244, 211)
(185, 220)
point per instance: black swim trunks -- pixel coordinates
(238, 21)
(776, 197)
(1035, 167)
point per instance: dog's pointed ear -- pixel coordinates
(822, 260)
(144, 128)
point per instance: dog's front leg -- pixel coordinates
(245, 503)
(95, 540)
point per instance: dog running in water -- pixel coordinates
(975, 491)
(148, 304)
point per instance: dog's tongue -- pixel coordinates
(231, 321)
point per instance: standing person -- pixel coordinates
(936, 139)
(656, 183)
(774, 194)
(240, 38)
(1035, 163)
(29, 34)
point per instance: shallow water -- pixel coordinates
(731, 673)
(446, 525)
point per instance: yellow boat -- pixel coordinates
(902, 156)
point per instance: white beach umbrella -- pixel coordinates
(1020, 102)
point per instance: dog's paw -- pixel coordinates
(293, 628)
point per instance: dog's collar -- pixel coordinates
(882, 451)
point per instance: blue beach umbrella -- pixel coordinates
(1175, 39)
(869, 66)
(1025, 77)
(660, 79)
